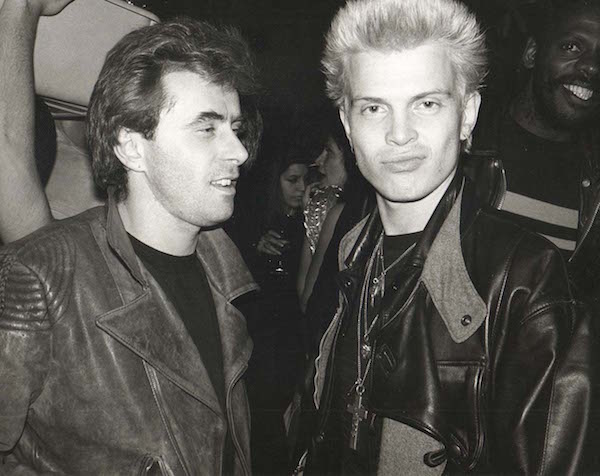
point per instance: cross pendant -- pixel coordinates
(359, 414)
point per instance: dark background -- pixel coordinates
(287, 37)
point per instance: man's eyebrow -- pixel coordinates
(434, 92)
(367, 99)
(205, 116)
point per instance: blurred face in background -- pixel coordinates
(331, 164)
(292, 183)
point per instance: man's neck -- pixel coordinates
(401, 218)
(524, 112)
(156, 228)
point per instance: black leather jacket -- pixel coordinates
(482, 348)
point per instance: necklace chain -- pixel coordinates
(362, 311)
(364, 351)
(378, 290)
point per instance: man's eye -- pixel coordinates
(372, 109)
(206, 129)
(241, 133)
(239, 129)
(428, 105)
(571, 47)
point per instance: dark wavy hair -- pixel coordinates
(129, 94)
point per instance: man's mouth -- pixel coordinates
(224, 182)
(580, 92)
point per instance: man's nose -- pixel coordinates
(589, 64)
(401, 130)
(234, 149)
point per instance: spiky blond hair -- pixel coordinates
(395, 25)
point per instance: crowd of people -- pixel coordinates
(410, 287)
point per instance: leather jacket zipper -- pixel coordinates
(504, 187)
(157, 393)
(479, 398)
(147, 465)
(230, 415)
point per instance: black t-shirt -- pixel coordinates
(184, 281)
(364, 460)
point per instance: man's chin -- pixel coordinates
(216, 220)
(572, 114)
(575, 120)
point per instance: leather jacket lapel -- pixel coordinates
(229, 278)
(119, 242)
(150, 327)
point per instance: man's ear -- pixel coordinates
(130, 150)
(346, 123)
(469, 115)
(528, 57)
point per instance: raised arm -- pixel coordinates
(23, 204)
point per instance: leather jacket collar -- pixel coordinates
(150, 327)
(436, 260)
(221, 259)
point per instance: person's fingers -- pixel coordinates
(273, 234)
(275, 239)
(274, 250)
(266, 246)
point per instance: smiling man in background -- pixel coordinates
(120, 349)
(541, 154)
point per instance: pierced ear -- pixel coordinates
(130, 150)
(528, 57)
(469, 115)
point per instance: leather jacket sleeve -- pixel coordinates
(541, 395)
(25, 348)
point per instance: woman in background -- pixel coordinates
(324, 204)
(335, 204)
(270, 238)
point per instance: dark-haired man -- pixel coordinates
(120, 349)
(456, 346)
(544, 167)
